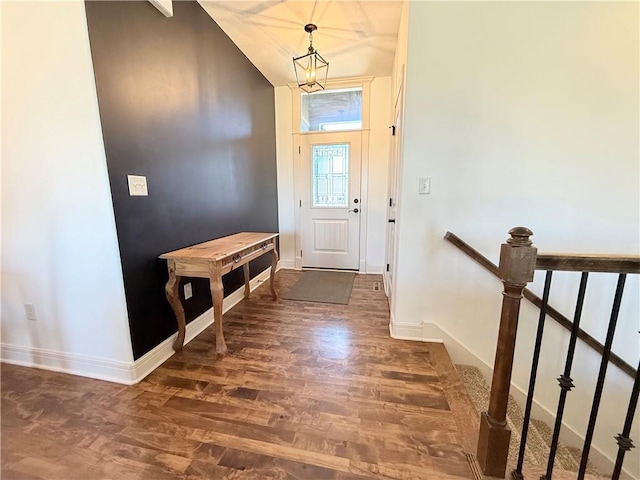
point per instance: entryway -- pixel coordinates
(331, 206)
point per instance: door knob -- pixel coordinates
(355, 200)
(355, 210)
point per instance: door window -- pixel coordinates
(330, 175)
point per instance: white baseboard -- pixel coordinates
(127, 373)
(405, 331)
(287, 264)
(82, 365)
(375, 269)
(461, 354)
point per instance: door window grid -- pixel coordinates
(330, 175)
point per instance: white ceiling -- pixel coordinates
(357, 38)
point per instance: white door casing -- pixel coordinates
(392, 210)
(299, 179)
(331, 204)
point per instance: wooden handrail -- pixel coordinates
(579, 262)
(569, 263)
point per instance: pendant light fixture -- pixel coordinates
(311, 69)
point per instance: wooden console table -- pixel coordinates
(212, 260)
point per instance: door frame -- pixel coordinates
(393, 194)
(337, 259)
(392, 253)
(298, 177)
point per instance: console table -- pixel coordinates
(212, 260)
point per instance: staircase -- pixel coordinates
(501, 421)
(540, 434)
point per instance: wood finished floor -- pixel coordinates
(308, 391)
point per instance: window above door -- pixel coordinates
(331, 110)
(343, 106)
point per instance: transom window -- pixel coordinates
(331, 110)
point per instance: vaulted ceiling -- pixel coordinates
(357, 38)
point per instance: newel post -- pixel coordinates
(517, 265)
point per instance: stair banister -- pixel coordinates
(516, 269)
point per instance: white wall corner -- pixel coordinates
(405, 331)
(127, 373)
(165, 6)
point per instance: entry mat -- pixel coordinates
(322, 287)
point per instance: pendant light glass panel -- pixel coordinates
(311, 72)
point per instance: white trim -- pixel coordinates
(375, 269)
(405, 331)
(127, 373)
(315, 132)
(287, 264)
(165, 7)
(365, 84)
(364, 187)
(82, 365)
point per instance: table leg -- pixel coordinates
(217, 295)
(272, 275)
(247, 279)
(171, 290)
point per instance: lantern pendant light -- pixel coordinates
(311, 69)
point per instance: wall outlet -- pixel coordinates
(188, 291)
(30, 310)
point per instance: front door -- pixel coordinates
(330, 206)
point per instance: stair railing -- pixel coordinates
(518, 261)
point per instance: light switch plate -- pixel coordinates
(137, 185)
(424, 185)
(188, 291)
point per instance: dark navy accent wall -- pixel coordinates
(181, 105)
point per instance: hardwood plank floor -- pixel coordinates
(307, 391)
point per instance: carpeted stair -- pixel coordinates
(539, 436)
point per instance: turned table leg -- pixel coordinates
(171, 290)
(247, 279)
(272, 274)
(217, 295)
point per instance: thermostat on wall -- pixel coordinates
(137, 185)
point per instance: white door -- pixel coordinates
(330, 206)
(392, 200)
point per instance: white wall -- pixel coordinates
(284, 158)
(400, 58)
(522, 114)
(379, 145)
(59, 247)
(377, 175)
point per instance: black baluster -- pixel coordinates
(565, 381)
(624, 442)
(601, 375)
(517, 473)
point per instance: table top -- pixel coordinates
(220, 247)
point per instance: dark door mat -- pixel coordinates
(322, 287)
